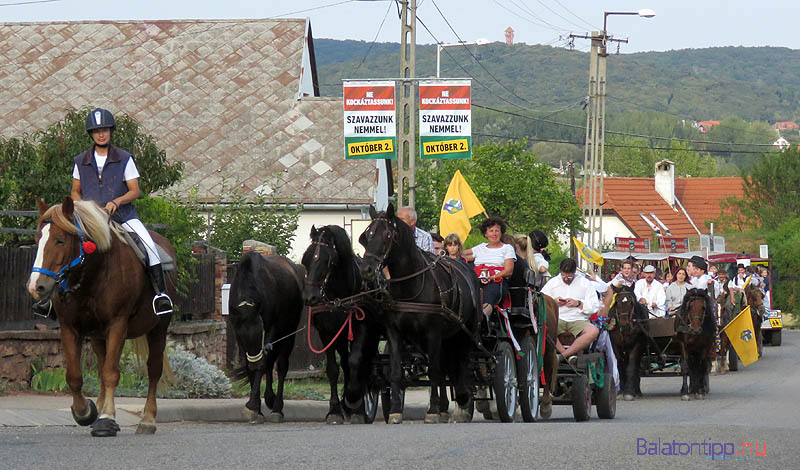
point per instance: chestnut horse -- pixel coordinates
(104, 295)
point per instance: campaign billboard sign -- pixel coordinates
(370, 129)
(636, 245)
(673, 245)
(445, 119)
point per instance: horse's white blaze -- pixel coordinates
(37, 263)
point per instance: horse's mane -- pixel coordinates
(405, 234)
(340, 240)
(93, 220)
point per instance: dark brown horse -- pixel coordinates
(697, 330)
(755, 299)
(726, 308)
(628, 339)
(550, 365)
(104, 295)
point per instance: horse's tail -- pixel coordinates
(239, 373)
(141, 350)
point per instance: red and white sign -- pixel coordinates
(370, 128)
(445, 118)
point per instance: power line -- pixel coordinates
(27, 3)
(639, 147)
(315, 8)
(535, 23)
(554, 12)
(576, 16)
(376, 37)
(473, 55)
(627, 134)
(525, 9)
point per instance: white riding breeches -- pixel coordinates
(136, 226)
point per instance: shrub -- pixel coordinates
(196, 377)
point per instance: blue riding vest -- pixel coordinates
(110, 185)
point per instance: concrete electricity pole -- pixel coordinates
(594, 152)
(406, 151)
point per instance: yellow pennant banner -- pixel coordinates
(742, 336)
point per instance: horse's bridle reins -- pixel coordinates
(381, 260)
(331, 263)
(687, 317)
(631, 322)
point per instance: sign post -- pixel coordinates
(445, 119)
(370, 129)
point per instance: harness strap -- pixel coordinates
(348, 322)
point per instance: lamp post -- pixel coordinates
(594, 153)
(440, 46)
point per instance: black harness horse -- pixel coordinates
(265, 306)
(628, 338)
(434, 305)
(697, 330)
(333, 274)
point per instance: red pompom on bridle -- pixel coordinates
(89, 247)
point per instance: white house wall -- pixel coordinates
(318, 218)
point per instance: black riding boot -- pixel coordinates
(162, 304)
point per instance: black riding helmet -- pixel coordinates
(100, 118)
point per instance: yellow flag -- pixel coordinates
(587, 253)
(741, 334)
(460, 203)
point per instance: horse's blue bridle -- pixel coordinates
(61, 275)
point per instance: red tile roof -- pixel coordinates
(629, 197)
(783, 125)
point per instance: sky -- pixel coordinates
(678, 24)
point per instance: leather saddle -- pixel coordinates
(167, 262)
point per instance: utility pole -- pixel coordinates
(573, 251)
(594, 151)
(406, 142)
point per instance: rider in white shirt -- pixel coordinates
(740, 280)
(650, 292)
(697, 272)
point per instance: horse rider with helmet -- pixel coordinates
(108, 176)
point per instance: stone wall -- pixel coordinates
(18, 349)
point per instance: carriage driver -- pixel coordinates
(577, 300)
(108, 176)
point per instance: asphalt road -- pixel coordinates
(757, 405)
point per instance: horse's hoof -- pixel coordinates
(545, 410)
(628, 397)
(461, 416)
(276, 417)
(90, 417)
(334, 418)
(699, 396)
(395, 418)
(444, 417)
(105, 427)
(252, 417)
(356, 418)
(685, 397)
(146, 428)
(432, 418)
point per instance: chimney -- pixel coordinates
(665, 181)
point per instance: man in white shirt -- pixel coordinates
(623, 278)
(422, 238)
(740, 280)
(577, 300)
(698, 279)
(650, 292)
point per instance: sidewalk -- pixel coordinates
(31, 409)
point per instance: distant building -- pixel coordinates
(781, 143)
(786, 126)
(705, 126)
(684, 205)
(509, 36)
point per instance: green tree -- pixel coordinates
(509, 181)
(632, 157)
(236, 219)
(784, 244)
(40, 164)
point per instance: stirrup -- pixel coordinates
(158, 297)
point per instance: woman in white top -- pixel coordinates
(676, 291)
(494, 262)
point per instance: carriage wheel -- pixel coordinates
(606, 398)
(733, 359)
(528, 374)
(371, 404)
(386, 403)
(581, 398)
(505, 382)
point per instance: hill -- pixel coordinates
(754, 83)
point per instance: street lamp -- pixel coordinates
(644, 13)
(440, 46)
(594, 152)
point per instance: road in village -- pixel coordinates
(758, 404)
